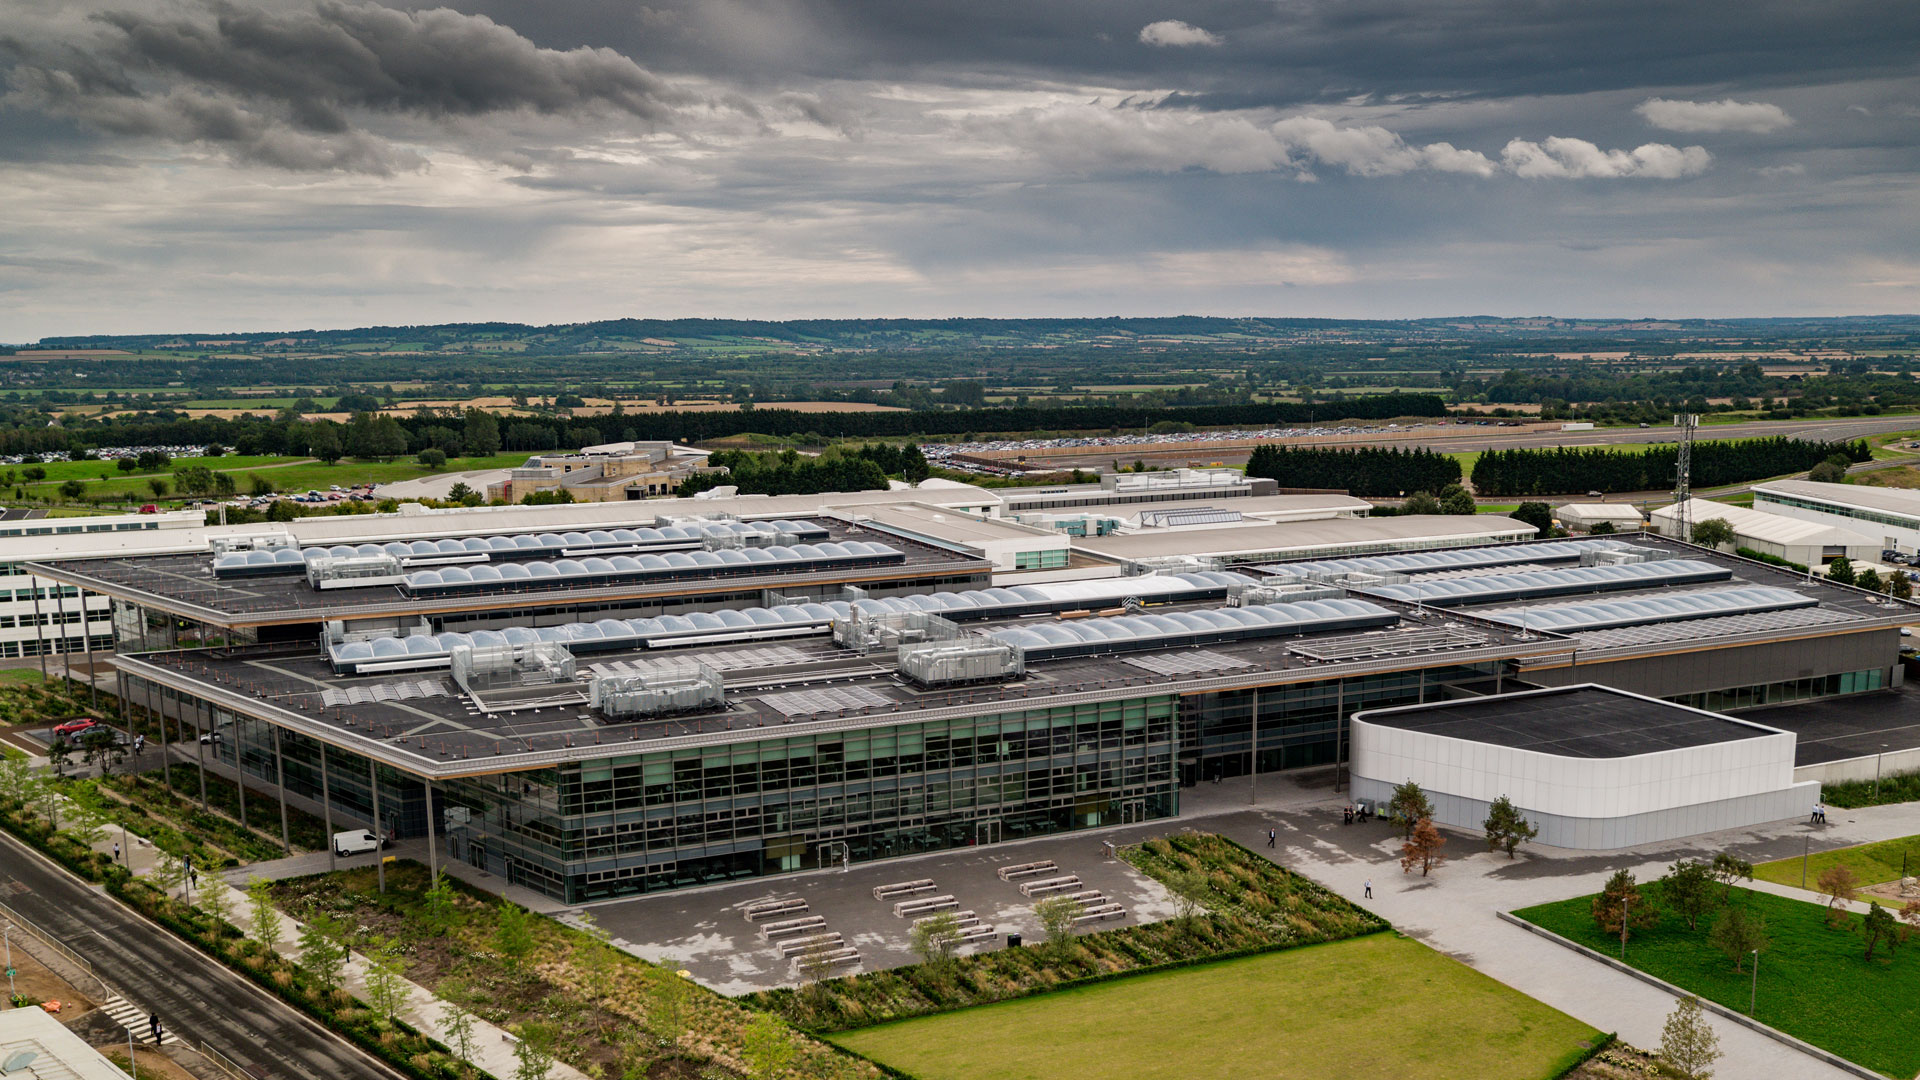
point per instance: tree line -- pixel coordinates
(1562, 470)
(1363, 470)
(786, 473)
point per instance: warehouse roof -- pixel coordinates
(1892, 500)
(1583, 721)
(1765, 527)
(1325, 536)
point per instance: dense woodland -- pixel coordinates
(1368, 472)
(1569, 470)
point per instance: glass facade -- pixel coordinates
(1781, 693)
(646, 822)
(1858, 513)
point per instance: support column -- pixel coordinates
(379, 855)
(433, 843)
(166, 755)
(40, 629)
(326, 807)
(1339, 733)
(1253, 760)
(86, 646)
(199, 734)
(239, 772)
(60, 639)
(280, 779)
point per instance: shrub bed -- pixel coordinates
(1252, 906)
(1850, 794)
(614, 1014)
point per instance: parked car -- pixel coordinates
(213, 737)
(73, 728)
(356, 842)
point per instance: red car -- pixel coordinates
(74, 727)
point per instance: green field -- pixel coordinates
(1361, 1009)
(1815, 983)
(1872, 863)
(284, 477)
(90, 471)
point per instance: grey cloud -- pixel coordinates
(1578, 159)
(1173, 32)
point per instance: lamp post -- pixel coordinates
(1753, 994)
(1806, 847)
(1876, 771)
(1625, 902)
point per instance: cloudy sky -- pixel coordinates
(204, 165)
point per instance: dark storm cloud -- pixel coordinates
(283, 87)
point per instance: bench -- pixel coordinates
(926, 905)
(980, 932)
(1027, 869)
(795, 946)
(1050, 885)
(961, 919)
(773, 909)
(1096, 914)
(837, 958)
(812, 924)
(902, 888)
(1089, 897)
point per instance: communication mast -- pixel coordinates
(1683, 475)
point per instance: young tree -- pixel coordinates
(457, 1019)
(1189, 889)
(86, 814)
(217, 901)
(1899, 585)
(1713, 533)
(1623, 907)
(167, 871)
(1868, 579)
(1840, 571)
(1728, 869)
(1506, 827)
(935, 937)
(533, 1054)
(513, 934)
(1737, 933)
(59, 752)
(669, 1012)
(16, 780)
(323, 951)
(266, 917)
(595, 959)
(1690, 891)
(1408, 806)
(1879, 928)
(1840, 885)
(1688, 1044)
(767, 1048)
(1422, 848)
(439, 908)
(816, 962)
(1056, 915)
(100, 748)
(386, 978)
(157, 486)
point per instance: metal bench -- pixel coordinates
(926, 905)
(1027, 869)
(795, 946)
(811, 924)
(774, 909)
(1050, 885)
(902, 888)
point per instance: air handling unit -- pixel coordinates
(971, 659)
(654, 689)
(864, 632)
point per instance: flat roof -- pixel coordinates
(1315, 535)
(1849, 726)
(1583, 721)
(184, 584)
(1892, 500)
(791, 686)
(950, 525)
(1769, 528)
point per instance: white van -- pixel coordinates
(356, 842)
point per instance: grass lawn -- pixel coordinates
(1369, 1007)
(1872, 863)
(295, 478)
(1815, 983)
(90, 471)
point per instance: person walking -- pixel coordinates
(153, 1025)
(116, 851)
(1369, 889)
(1272, 836)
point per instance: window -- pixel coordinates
(1040, 560)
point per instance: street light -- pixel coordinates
(1754, 994)
(1876, 771)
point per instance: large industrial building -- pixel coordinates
(625, 697)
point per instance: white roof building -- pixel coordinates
(1891, 515)
(1582, 517)
(1809, 543)
(34, 1046)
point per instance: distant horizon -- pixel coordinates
(722, 319)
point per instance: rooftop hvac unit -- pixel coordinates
(661, 689)
(352, 571)
(1623, 557)
(479, 668)
(864, 633)
(257, 542)
(1282, 593)
(968, 660)
(664, 520)
(1171, 564)
(1371, 579)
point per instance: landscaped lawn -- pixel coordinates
(1365, 1008)
(1872, 863)
(1815, 983)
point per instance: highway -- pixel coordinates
(197, 999)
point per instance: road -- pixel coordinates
(200, 1000)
